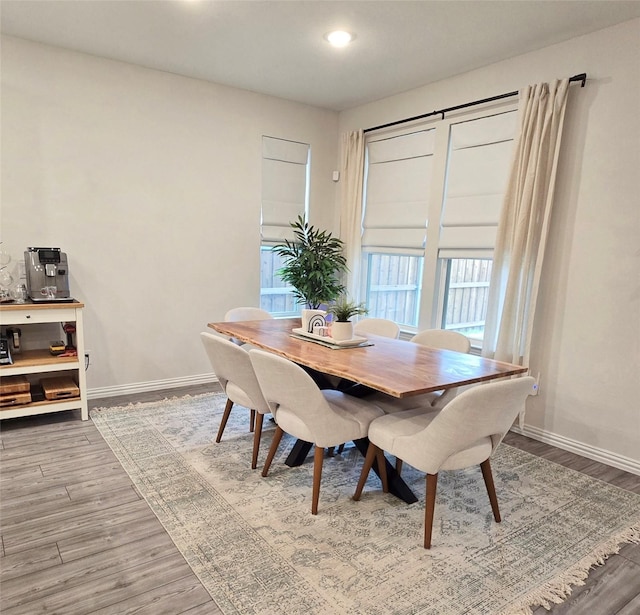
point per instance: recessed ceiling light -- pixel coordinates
(339, 38)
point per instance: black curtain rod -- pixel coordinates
(582, 77)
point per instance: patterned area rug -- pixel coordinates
(257, 549)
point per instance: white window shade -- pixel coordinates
(284, 187)
(398, 179)
(477, 171)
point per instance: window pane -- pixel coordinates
(393, 287)
(285, 196)
(466, 293)
(275, 296)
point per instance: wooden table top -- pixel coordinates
(396, 367)
(30, 305)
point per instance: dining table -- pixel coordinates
(398, 368)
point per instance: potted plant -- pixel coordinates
(313, 263)
(343, 311)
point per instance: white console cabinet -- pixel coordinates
(40, 363)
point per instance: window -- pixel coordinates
(395, 224)
(432, 203)
(393, 286)
(478, 157)
(465, 295)
(285, 196)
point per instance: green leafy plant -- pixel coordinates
(344, 310)
(313, 262)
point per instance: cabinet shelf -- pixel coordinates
(39, 407)
(37, 361)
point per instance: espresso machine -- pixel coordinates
(47, 275)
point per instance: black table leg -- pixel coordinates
(396, 485)
(298, 453)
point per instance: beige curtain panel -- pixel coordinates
(352, 154)
(524, 223)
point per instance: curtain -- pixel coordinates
(352, 153)
(524, 223)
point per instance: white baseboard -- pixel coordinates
(573, 446)
(154, 385)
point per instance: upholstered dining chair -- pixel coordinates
(443, 338)
(434, 338)
(377, 326)
(232, 366)
(246, 313)
(465, 433)
(326, 417)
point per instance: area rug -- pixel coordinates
(257, 549)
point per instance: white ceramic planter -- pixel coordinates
(342, 331)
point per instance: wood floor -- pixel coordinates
(78, 539)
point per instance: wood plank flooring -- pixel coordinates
(78, 539)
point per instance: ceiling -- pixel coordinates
(277, 47)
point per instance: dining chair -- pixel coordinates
(232, 367)
(323, 417)
(465, 433)
(443, 338)
(377, 326)
(246, 313)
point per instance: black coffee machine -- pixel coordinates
(47, 275)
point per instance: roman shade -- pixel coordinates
(397, 189)
(284, 187)
(480, 151)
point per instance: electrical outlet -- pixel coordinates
(536, 385)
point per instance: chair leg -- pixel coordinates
(277, 436)
(252, 420)
(430, 505)
(366, 467)
(225, 418)
(399, 466)
(256, 440)
(382, 469)
(340, 448)
(485, 466)
(318, 458)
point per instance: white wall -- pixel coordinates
(150, 182)
(587, 331)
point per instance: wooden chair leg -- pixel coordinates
(225, 418)
(318, 458)
(340, 448)
(366, 467)
(252, 420)
(277, 436)
(430, 505)
(256, 440)
(485, 466)
(398, 466)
